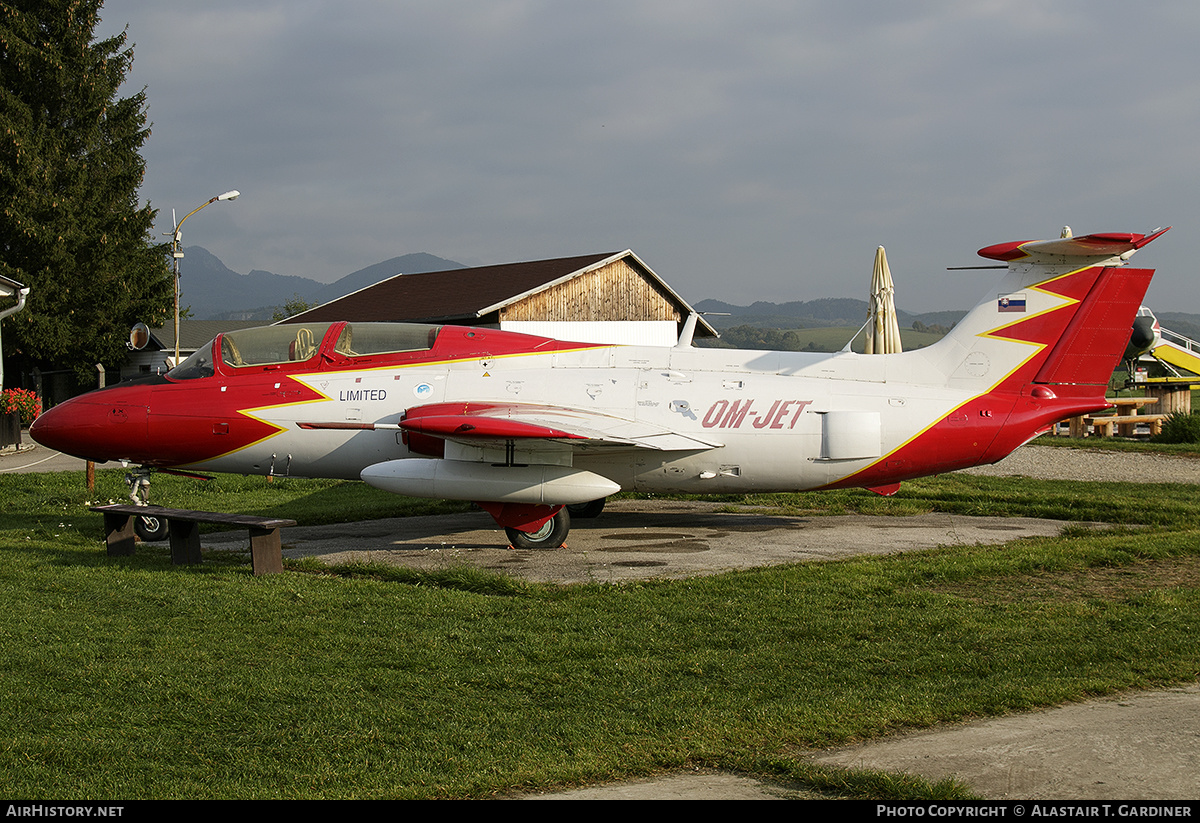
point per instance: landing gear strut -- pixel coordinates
(149, 529)
(586, 511)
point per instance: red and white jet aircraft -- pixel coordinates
(527, 426)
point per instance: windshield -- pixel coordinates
(197, 366)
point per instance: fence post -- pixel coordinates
(91, 466)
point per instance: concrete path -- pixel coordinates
(34, 458)
(641, 540)
(1137, 746)
(1142, 745)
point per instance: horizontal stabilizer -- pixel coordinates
(1101, 246)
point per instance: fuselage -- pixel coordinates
(310, 404)
(526, 426)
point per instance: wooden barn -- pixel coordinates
(598, 298)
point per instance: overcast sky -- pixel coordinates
(748, 150)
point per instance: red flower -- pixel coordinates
(23, 401)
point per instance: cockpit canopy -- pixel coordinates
(300, 343)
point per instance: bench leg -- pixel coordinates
(266, 551)
(118, 534)
(185, 542)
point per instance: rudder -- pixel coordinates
(1093, 342)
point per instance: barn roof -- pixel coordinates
(472, 293)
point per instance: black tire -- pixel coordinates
(586, 511)
(150, 529)
(549, 536)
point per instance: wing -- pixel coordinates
(496, 424)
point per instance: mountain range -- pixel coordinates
(800, 314)
(212, 291)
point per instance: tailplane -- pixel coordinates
(1060, 318)
(1038, 348)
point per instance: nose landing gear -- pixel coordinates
(149, 529)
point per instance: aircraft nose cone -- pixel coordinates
(103, 425)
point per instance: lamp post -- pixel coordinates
(177, 254)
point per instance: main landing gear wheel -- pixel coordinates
(586, 511)
(550, 536)
(150, 529)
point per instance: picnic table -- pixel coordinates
(1124, 418)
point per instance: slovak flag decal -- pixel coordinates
(1011, 302)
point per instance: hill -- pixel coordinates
(212, 291)
(406, 264)
(1180, 322)
(803, 314)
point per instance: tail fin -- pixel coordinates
(1038, 349)
(1060, 318)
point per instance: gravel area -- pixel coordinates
(1058, 463)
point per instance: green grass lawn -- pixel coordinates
(130, 678)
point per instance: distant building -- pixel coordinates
(156, 356)
(599, 298)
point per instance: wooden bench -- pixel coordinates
(1123, 414)
(183, 526)
(1124, 424)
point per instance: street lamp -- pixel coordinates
(177, 254)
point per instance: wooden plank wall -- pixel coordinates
(614, 292)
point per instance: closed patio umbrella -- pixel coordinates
(883, 336)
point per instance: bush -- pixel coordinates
(1180, 428)
(21, 400)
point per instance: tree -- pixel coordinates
(294, 306)
(71, 227)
